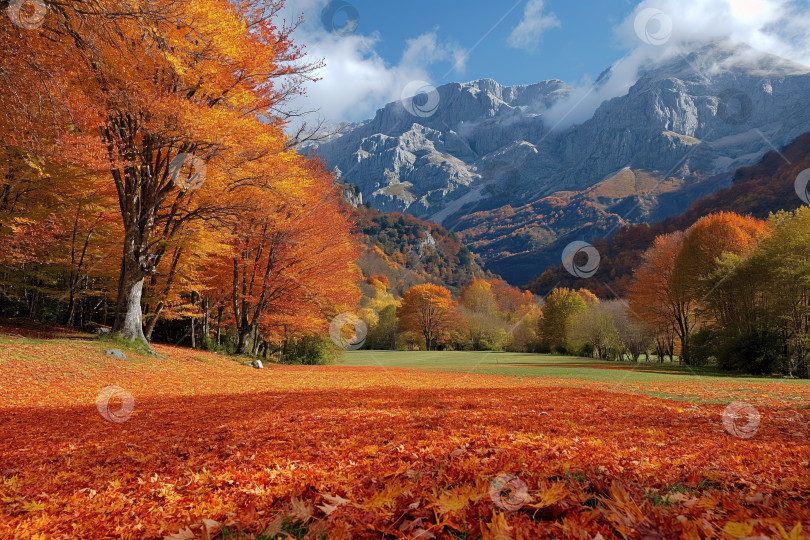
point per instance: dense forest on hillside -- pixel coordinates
(411, 251)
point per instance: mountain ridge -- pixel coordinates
(487, 164)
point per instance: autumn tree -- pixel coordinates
(669, 287)
(760, 301)
(166, 97)
(559, 310)
(58, 228)
(428, 310)
(659, 295)
(595, 327)
(707, 240)
(290, 260)
(484, 323)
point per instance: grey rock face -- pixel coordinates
(117, 354)
(697, 116)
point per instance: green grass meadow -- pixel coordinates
(569, 370)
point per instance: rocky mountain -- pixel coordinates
(488, 161)
(774, 184)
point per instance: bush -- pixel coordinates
(542, 348)
(586, 350)
(561, 349)
(310, 350)
(757, 353)
(703, 347)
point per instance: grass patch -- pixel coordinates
(115, 341)
(569, 368)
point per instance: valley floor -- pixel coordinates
(396, 445)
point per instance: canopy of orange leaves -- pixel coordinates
(367, 452)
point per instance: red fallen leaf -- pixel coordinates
(660, 451)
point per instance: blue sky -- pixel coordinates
(582, 44)
(394, 44)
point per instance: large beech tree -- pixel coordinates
(137, 90)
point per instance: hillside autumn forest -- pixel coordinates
(205, 334)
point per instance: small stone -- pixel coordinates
(116, 353)
(257, 364)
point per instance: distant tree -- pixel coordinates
(594, 329)
(478, 297)
(382, 334)
(561, 306)
(635, 336)
(429, 310)
(658, 294)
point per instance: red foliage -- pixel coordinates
(372, 452)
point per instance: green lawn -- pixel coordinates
(540, 365)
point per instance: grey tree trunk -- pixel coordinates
(128, 318)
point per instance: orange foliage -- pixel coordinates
(428, 310)
(715, 234)
(370, 452)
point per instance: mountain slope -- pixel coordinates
(410, 251)
(488, 165)
(757, 190)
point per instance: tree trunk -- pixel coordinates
(220, 309)
(206, 330)
(685, 356)
(128, 319)
(150, 326)
(193, 332)
(243, 345)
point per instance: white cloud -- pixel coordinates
(778, 27)
(527, 34)
(355, 80)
